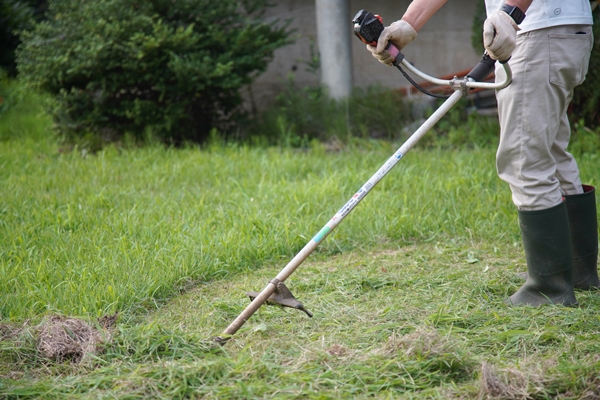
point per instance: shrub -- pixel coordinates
(477, 27)
(5, 92)
(462, 127)
(584, 140)
(300, 115)
(170, 68)
(586, 99)
(14, 15)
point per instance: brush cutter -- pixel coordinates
(367, 27)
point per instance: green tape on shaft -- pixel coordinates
(322, 233)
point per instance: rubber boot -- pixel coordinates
(547, 244)
(583, 223)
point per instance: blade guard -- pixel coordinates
(282, 297)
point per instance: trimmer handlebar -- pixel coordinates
(483, 69)
(368, 28)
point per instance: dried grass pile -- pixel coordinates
(507, 384)
(62, 338)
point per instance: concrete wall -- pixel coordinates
(442, 47)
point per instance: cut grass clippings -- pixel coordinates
(415, 321)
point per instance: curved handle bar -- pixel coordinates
(470, 83)
(368, 27)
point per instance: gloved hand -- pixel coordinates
(399, 33)
(500, 35)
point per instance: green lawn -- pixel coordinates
(92, 234)
(407, 292)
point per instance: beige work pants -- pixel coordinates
(532, 156)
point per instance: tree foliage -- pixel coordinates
(586, 99)
(16, 15)
(171, 68)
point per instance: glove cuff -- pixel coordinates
(407, 33)
(514, 12)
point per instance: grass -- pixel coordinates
(407, 293)
(93, 234)
(411, 321)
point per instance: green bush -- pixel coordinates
(166, 68)
(14, 15)
(586, 99)
(462, 127)
(584, 140)
(477, 27)
(5, 92)
(300, 115)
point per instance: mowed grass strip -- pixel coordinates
(404, 321)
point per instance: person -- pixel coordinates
(549, 45)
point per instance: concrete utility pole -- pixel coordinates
(334, 32)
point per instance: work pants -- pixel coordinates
(532, 156)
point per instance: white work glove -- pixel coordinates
(399, 33)
(500, 35)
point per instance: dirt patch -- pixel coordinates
(108, 321)
(62, 338)
(337, 350)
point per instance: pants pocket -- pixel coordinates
(569, 58)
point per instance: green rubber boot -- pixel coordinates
(583, 222)
(547, 244)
